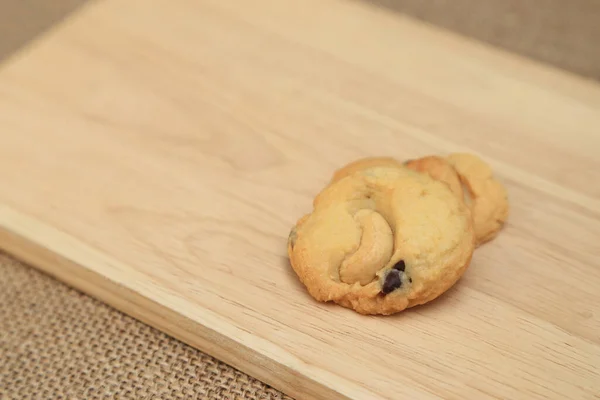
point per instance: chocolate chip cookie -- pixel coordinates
(382, 239)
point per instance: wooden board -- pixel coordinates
(155, 155)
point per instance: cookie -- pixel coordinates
(486, 197)
(381, 240)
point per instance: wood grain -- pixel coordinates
(156, 157)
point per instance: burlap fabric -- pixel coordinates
(58, 343)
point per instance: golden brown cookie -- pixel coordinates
(382, 239)
(486, 197)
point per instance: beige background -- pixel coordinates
(54, 340)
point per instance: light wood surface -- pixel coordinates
(156, 154)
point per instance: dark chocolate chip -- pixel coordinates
(400, 266)
(410, 280)
(391, 282)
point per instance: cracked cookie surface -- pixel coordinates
(382, 239)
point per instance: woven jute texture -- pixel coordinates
(56, 343)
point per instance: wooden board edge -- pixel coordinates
(236, 354)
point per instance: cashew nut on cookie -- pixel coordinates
(382, 239)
